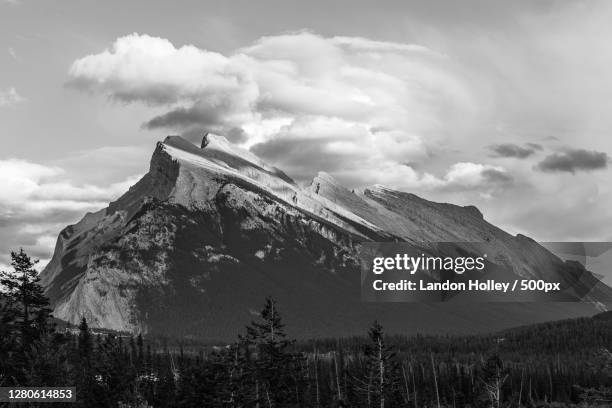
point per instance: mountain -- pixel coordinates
(194, 246)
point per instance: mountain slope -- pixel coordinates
(195, 245)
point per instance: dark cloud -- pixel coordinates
(513, 150)
(574, 160)
(378, 129)
(412, 165)
(236, 135)
(208, 114)
(154, 95)
(494, 176)
(180, 117)
(301, 158)
(535, 146)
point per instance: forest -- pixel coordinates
(558, 364)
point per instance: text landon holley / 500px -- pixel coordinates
(471, 285)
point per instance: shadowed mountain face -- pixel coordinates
(194, 247)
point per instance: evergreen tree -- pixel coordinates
(84, 375)
(165, 394)
(493, 377)
(8, 340)
(140, 354)
(602, 394)
(26, 298)
(85, 343)
(276, 369)
(26, 318)
(48, 362)
(235, 382)
(380, 384)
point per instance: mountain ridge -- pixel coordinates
(209, 223)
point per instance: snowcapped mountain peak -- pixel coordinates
(380, 187)
(216, 149)
(326, 176)
(325, 197)
(326, 182)
(376, 190)
(211, 227)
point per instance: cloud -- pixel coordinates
(574, 160)
(302, 101)
(362, 109)
(98, 166)
(326, 144)
(294, 75)
(13, 54)
(10, 97)
(25, 185)
(513, 150)
(211, 115)
(535, 146)
(495, 175)
(141, 68)
(467, 175)
(37, 201)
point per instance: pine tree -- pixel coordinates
(380, 383)
(26, 318)
(85, 344)
(26, 298)
(236, 384)
(89, 390)
(140, 356)
(602, 394)
(493, 377)
(8, 340)
(48, 362)
(165, 391)
(276, 369)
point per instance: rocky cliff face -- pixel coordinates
(208, 232)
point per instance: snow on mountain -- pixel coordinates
(221, 157)
(211, 230)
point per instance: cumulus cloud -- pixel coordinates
(300, 100)
(24, 184)
(467, 175)
(37, 201)
(202, 86)
(407, 116)
(574, 160)
(10, 97)
(203, 113)
(514, 150)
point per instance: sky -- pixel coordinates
(502, 105)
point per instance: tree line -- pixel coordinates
(559, 364)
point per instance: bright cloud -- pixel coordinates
(466, 125)
(10, 97)
(206, 86)
(335, 104)
(37, 201)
